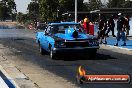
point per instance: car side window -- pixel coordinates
(47, 31)
(54, 29)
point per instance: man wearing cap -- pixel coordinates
(121, 30)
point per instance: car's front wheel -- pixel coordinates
(53, 55)
(41, 50)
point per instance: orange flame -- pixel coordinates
(81, 70)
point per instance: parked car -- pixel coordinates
(66, 38)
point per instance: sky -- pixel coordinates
(22, 5)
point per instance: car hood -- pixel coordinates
(72, 34)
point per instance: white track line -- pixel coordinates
(3, 84)
(118, 47)
(9, 78)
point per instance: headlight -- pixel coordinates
(60, 44)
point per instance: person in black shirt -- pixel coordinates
(111, 26)
(127, 26)
(121, 30)
(102, 29)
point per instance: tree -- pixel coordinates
(128, 4)
(95, 4)
(3, 11)
(7, 9)
(69, 5)
(115, 3)
(12, 9)
(11, 6)
(33, 9)
(119, 4)
(20, 17)
(23, 18)
(48, 9)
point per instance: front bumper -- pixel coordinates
(75, 49)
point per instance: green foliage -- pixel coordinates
(119, 4)
(11, 6)
(128, 4)
(22, 18)
(116, 3)
(33, 9)
(3, 11)
(69, 5)
(94, 5)
(7, 9)
(48, 9)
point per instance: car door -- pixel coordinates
(46, 38)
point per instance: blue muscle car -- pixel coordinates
(66, 38)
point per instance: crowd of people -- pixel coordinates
(107, 25)
(122, 28)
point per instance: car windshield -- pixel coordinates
(61, 28)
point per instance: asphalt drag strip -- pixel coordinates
(106, 62)
(47, 73)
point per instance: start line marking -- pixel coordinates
(3, 84)
(6, 81)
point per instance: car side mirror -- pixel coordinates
(46, 33)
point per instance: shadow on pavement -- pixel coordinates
(30, 51)
(83, 57)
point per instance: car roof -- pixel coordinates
(64, 23)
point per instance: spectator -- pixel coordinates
(111, 26)
(86, 24)
(81, 23)
(102, 29)
(38, 25)
(121, 30)
(30, 26)
(127, 26)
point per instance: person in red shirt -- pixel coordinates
(86, 24)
